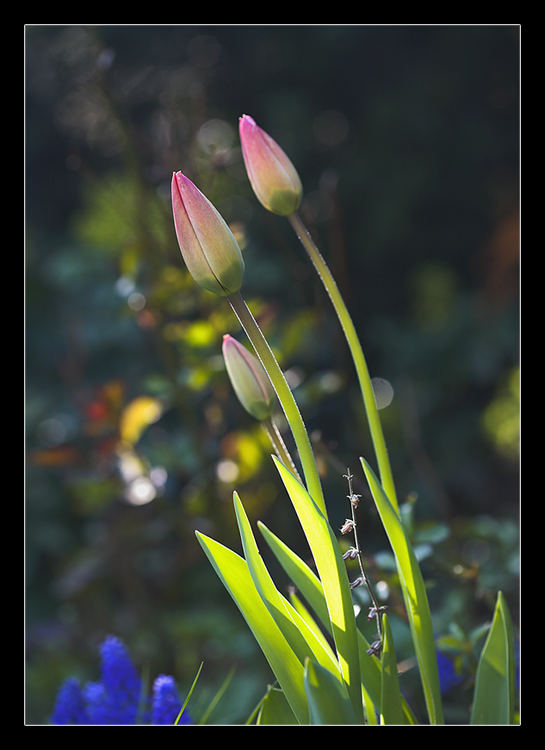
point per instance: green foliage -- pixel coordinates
(335, 689)
(234, 573)
(113, 317)
(275, 709)
(391, 708)
(493, 701)
(414, 594)
(328, 699)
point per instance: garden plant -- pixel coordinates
(120, 696)
(325, 670)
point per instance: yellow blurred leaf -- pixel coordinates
(245, 449)
(201, 333)
(136, 416)
(501, 418)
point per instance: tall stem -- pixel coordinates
(279, 446)
(285, 396)
(354, 345)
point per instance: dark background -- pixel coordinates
(406, 139)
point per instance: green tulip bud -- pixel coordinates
(208, 246)
(272, 176)
(248, 378)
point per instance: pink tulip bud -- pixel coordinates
(208, 246)
(248, 378)
(272, 176)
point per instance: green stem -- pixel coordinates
(285, 396)
(354, 345)
(280, 447)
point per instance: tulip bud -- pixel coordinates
(208, 246)
(248, 378)
(272, 176)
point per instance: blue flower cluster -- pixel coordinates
(118, 697)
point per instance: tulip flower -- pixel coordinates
(272, 176)
(248, 378)
(208, 246)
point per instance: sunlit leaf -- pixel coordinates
(332, 571)
(493, 701)
(297, 632)
(311, 589)
(234, 574)
(310, 622)
(414, 594)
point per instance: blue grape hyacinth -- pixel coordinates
(166, 702)
(70, 705)
(118, 697)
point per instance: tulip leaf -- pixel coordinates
(310, 622)
(328, 699)
(332, 572)
(302, 638)
(414, 594)
(287, 668)
(391, 708)
(275, 709)
(493, 699)
(306, 581)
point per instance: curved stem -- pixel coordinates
(285, 396)
(279, 446)
(356, 351)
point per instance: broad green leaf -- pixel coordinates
(298, 571)
(311, 589)
(304, 613)
(332, 572)
(300, 636)
(234, 574)
(415, 597)
(391, 709)
(275, 709)
(328, 699)
(493, 701)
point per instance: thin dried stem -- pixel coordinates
(356, 552)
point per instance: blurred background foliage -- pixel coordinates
(407, 142)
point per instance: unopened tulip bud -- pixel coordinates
(208, 246)
(272, 176)
(248, 378)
